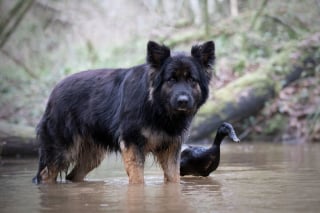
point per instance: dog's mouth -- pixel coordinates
(183, 110)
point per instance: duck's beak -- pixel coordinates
(236, 139)
(233, 136)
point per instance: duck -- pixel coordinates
(201, 161)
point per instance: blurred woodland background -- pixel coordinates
(266, 78)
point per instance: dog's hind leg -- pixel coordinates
(41, 167)
(80, 171)
(47, 173)
(86, 156)
(51, 162)
(133, 160)
(83, 167)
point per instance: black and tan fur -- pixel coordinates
(135, 111)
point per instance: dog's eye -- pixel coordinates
(193, 81)
(172, 80)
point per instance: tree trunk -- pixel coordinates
(17, 141)
(234, 8)
(247, 95)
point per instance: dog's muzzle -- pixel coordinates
(183, 103)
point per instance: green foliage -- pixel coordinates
(56, 39)
(275, 124)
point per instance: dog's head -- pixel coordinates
(179, 82)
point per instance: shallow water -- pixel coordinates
(257, 177)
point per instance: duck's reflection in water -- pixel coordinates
(200, 190)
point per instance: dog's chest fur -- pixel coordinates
(158, 141)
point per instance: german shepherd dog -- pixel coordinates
(144, 109)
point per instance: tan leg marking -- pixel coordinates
(86, 156)
(49, 175)
(133, 162)
(170, 166)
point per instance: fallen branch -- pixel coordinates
(17, 141)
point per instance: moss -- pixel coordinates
(185, 38)
(229, 94)
(275, 124)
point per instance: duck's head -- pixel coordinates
(226, 129)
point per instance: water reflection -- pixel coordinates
(159, 198)
(83, 197)
(102, 197)
(251, 178)
(201, 183)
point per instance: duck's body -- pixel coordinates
(201, 161)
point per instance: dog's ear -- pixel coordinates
(157, 54)
(204, 53)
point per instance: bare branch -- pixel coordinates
(19, 11)
(258, 13)
(19, 63)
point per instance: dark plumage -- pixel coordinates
(201, 161)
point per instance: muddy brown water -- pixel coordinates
(252, 177)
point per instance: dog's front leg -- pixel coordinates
(170, 163)
(133, 160)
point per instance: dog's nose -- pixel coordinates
(183, 101)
